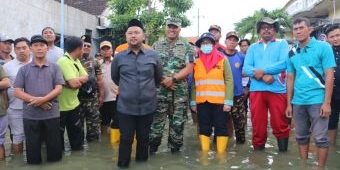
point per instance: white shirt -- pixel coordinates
(12, 68)
(109, 85)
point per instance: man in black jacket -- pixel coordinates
(137, 72)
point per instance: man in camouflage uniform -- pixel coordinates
(91, 94)
(177, 57)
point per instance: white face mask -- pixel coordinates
(206, 48)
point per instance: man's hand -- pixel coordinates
(36, 101)
(167, 82)
(289, 111)
(173, 87)
(258, 74)
(100, 101)
(245, 91)
(46, 106)
(325, 110)
(268, 79)
(194, 109)
(226, 108)
(116, 90)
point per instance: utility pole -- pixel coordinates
(198, 21)
(62, 24)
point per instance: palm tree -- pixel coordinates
(247, 26)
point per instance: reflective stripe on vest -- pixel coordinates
(210, 93)
(209, 81)
(210, 87)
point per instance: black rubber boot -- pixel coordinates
(153, 150)
(282, 144)
(122, 164)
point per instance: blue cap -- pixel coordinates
(205, 35)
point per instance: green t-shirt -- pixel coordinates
(70, 68)
(3, 93)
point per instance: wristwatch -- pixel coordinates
(174, 80)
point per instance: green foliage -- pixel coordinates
(151, 15)
(248, 25)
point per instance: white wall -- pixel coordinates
(28, 17)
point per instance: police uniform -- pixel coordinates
(171, 104)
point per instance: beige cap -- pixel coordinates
(105, 43)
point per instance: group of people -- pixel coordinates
(133, 91)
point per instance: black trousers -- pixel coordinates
(212, 115)
(71, 120)
(38, 131)
(108, 114)
(129, 124)
(334, 117)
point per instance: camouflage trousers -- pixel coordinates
(239, 118)
(176, 111)
(89, 112)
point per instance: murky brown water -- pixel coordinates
(100, 156)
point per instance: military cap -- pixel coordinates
(174, 21)
(86, 38)
(215, 27)
(232, 34)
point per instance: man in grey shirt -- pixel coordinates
(38, 84)
(137, 72)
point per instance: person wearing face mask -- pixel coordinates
(212, 93)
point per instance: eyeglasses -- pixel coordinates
(87, 46)
(267, 28)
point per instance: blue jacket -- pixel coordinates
(270, 57)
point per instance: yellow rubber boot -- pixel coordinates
(205, 142)
(134, 139)
(114, 136)
(221, 143)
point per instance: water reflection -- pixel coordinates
(101, 156)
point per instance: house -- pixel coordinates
(25, 18)
(320, 12)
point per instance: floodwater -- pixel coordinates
(100, 156)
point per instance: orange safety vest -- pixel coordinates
(125, 46)
(209, 86)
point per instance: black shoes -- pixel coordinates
(174, 150)
(122, 164)
(282, 144)
(259, 148)
(153, 150)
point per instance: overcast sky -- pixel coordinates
(224, 13)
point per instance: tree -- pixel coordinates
(151, 13)
(247, 26)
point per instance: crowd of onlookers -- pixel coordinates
(130, 93)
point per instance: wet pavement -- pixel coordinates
(100, 156)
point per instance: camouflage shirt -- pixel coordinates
(93, 68)
(89, 63)
(174, 57)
